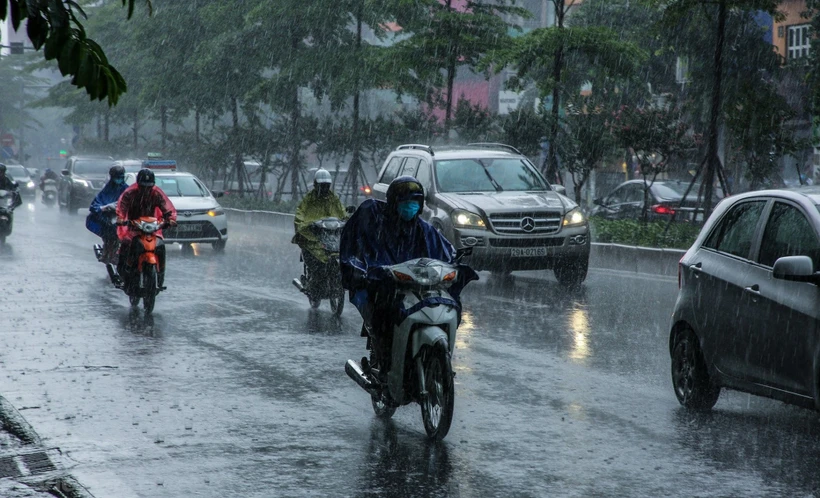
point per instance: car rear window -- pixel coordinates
(488, 175)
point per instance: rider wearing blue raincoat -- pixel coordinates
(97, 221)
(388, 233)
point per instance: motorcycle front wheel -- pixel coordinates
(149, 281)
(437, 407)
(337, 304)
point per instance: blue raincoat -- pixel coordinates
(95, 221)
(373, 237)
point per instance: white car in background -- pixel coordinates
(200, 218)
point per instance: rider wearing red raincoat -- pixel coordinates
(139, 200)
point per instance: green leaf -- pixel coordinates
(37, 30)
(18, 9)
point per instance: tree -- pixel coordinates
(474, 123)
(56, 27)
(684, 11)
(541, 57)
(446, 36)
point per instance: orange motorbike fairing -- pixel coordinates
(149, 245)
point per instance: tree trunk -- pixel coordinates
(451, 76)
(99, 126)
(295, 144)
(106, 125)
(163, 113)
(712, 159)
(136, 129)
(197, 117)
(551, 168)
(356, 160)
(237, 155)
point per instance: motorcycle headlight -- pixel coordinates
(216, 212)
(466, 219)
(30, 184)
(574, 218)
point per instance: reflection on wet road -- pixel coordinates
(234, 387)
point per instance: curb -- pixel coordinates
(621, 257)
(13, 422)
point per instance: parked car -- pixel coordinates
(747, 313)
(626, 201)
(491, 198)
(82, 178)
(25, 182)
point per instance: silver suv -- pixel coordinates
(490, 197)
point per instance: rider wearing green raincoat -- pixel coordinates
(319, 203)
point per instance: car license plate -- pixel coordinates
(188, 228)
(528, 252)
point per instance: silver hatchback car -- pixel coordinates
(491, 198)
(748, 309)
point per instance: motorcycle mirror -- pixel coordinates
(350, 209)
(64, 172)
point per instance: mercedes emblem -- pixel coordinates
(528, 224)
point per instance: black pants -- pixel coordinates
(129, 255)
(319, 275)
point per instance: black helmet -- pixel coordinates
(145, 178)
(404, 188)
(116, 172)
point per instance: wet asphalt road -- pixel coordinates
(236, 388)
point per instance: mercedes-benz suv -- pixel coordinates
(491, 198)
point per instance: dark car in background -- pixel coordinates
(748, 310)
(626, 201)
(82, 178)
(25, 182)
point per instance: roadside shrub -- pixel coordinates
(635, 233)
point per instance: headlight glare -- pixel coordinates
(30, 184)
(574, 218)
(466, 219)
(216, 212)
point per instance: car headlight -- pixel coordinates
(216, 212)
(574, 218)
(81, 183)
(30, 184)
(466, 219)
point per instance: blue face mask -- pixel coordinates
(408, 209)
(119, 181)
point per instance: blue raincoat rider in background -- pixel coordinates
(388, 233)
(103, 208)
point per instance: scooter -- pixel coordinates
(424, 338)
(144, 281)
(328, 283)
(9, 200)
(106, 252)
(49, 197)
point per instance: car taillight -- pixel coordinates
(661, 209)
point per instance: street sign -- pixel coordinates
(7, 140)
(6, 152)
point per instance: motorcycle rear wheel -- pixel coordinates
(149, 280)
(437, 408)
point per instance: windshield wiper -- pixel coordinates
(490, 177)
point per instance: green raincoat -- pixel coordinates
(312, 208)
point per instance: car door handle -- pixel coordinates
(754, 290)
(696, 268)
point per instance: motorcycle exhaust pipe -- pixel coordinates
(298, 284)
(355, 372)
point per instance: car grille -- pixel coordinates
(191, 212)
(553, 242)
(205, 230)
(526, 223)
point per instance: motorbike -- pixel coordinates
(328, 283)
(106, 252)
(49, 197)
(9, 200)
(424, 338)
(143, 281)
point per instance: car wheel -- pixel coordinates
(571, 273)
(219, 246)
(694, 388)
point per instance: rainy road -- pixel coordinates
(237, 388)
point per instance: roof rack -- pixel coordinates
(425, 148)
(493, 145)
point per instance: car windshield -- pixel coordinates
(181, 186)
(17, 172)
(92, 166)
(488, 175)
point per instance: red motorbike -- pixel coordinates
(144, 281)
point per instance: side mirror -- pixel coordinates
(795, 269)
(464, 251)
(216, 193)
(64, 172)
(560, 189)
(350, 209)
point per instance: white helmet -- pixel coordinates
(322, 176)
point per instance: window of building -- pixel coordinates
(799, 41)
